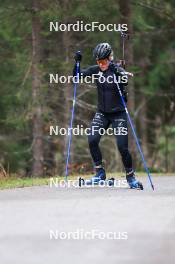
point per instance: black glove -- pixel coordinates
(78, 56)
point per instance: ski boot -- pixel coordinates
(95, 180)
(132, 181)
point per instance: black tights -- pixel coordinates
(101, 123)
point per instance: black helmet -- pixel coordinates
(102, 51)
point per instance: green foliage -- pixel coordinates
(154, 48)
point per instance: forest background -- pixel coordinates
(29, 104)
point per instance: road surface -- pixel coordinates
(89, 225)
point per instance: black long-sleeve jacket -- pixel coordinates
(109, 100)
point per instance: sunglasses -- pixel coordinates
(102, 62)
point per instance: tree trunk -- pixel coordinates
(37, 145)
(66, 91)
(143, 124)
(126, 18)
(143, 63)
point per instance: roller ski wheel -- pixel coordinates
(81, 182)
(111, 182)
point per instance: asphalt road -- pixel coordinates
(36, 222)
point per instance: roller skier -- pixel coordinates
(110, 111)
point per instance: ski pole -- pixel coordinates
(135, 136)
(71, 122)
(124, 36)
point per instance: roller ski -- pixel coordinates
(97, 180)
(133, 182)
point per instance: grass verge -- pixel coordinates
(17, 182)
